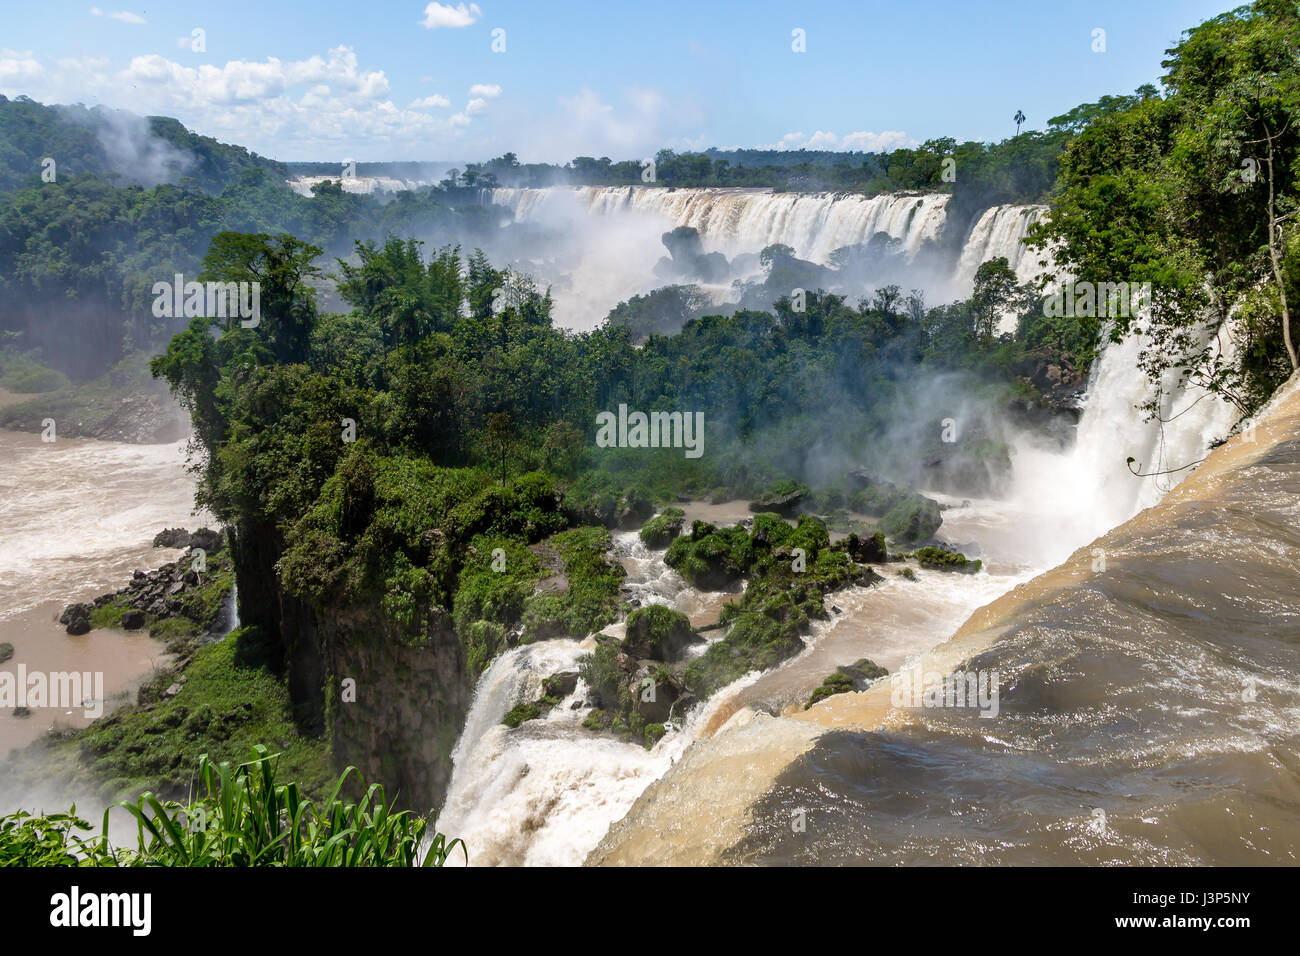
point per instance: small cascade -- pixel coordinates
(1000, 231)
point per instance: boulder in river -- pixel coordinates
(782, 498)
(172, 538)
(653, 694)
(658, 632)
(76, 618)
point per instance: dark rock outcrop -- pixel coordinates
(76, 618)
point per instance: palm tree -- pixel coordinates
(1019, 118)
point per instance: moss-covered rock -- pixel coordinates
(658, 632)
(519, 713)
(180, 603)
(660, 530)
(589, 599)
(856, 676)
(914, 519)
(766, 629)
(941, 559)
(781, 497)
(790, 570)
(867, 549)
(710, 558)
(561, 685)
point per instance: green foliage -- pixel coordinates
(244, 817)
(658, 632)
(230, 700)
(599, 670)
(779, 603)
(941, 559)
(24, 376)
(591, 599)
(847, 677)
(661, 312)
(663, 528)
(709, 557)
(489, 601)
(49, 840)
(1195, 193)
(519, 713)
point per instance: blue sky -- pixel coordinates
(410, 80)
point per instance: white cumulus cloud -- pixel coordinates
(863, 140)
(438, 16)
(18, 67)
(124, 15)
(488, 90)
(315, 106)
(434, 101)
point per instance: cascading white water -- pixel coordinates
(545, 792)
(1088, 489)
(602, 228)
(1000, 231)
(362, 185)
(746, 220)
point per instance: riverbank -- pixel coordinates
(125, 404)
(79, 516)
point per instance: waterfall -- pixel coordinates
(1089, 488)
(746, 220)
(610, 226)
(361, 185)
(544, 793)
(999, 232)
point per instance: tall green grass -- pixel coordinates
(243, 817)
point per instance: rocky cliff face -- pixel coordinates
(400, 720)
(388, 702)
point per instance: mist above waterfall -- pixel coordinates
(601, 244)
